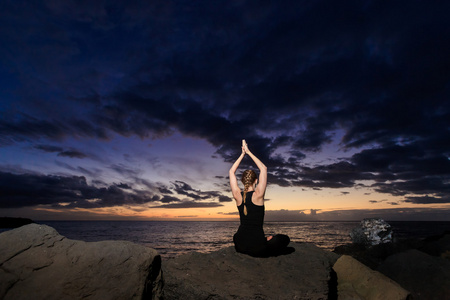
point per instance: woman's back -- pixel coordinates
(255, 213)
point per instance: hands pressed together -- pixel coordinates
(245, 149)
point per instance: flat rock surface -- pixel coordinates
(38, 263)
(226, 274)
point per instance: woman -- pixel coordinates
(249, 238)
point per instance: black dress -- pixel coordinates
(250, 238)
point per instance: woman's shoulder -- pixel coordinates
(257, 199)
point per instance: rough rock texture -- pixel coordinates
(425, 276)
(38, 263)
(226, 274)
(421, 266)
(372, 232)
(357, 281)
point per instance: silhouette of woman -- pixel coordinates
(250, 238)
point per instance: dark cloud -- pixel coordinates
(124, 186)
(61, 152)
(287, 75)
(165, 190)
(168, 199)
(182, 188)
(20, 190)
(23, 190)
(223, 198)
(374, 201)
(49, 148)
(426, 199)
(72, 154)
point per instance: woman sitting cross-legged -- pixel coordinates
(250, 238)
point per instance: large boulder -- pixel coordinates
(425, 276)
(38, 263)
(357, 281)
(226, 274)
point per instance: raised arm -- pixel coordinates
(262, 180)
(233, 180)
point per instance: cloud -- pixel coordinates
(72, 154)
(20, 190)
(92, 172)
(182, 188)
(61, 152)
(426, 200)
(296, 77)
(24, 190)
(223, 198)
(168, 199)
(123, 186)
(49, 148)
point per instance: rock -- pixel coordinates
(226, 274)
(357, 281)
(425, 276)
(38, 263)
(372, 232)
(373, 256)
(437, 245)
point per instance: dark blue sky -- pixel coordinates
(137, 108)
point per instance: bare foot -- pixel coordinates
(269, 238)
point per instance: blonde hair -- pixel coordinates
(248, 178)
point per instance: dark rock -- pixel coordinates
(437, 245)
(372, 232)
(357, 281)
(375, 255)
(38, 263)
(425, 276)
(14, 222)
(226, 274)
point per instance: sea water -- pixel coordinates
(172, 238)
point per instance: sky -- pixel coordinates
(135, 110)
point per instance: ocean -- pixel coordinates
(173, 238)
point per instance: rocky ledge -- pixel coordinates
(421, 266)
(305, 273)
(38, 263)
